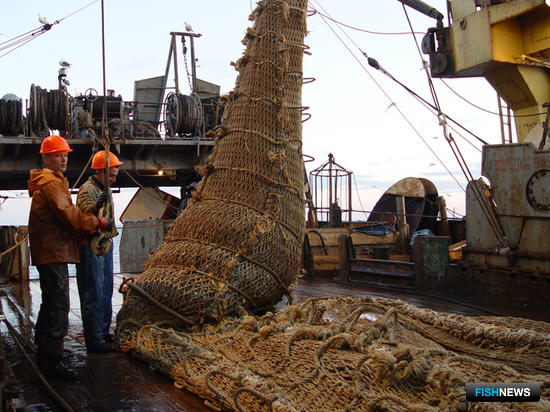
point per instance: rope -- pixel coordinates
(373, 63)
(396, 106)
(11, 117)
(5, 252)
(267, 401)
(485, 110)
(525, 57)
(48, 109)
(211, 386)
(486, 364)
(183, 113)
(33, 366)
(167, 204)
(359, 196)
(263, 136)
(260, 212)
(264, 177)
(359, 29)
(140, 226)
(488, 210)
(23, 39)
(235, 252)
(229, 285)
(130, 283)
(28, 346)
(238, 93)
(83, 171)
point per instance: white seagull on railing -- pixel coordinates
(188, 27)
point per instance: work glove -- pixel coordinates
(104, 223)
(101, 200)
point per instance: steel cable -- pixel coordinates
(48, 109)
(11, 117)
(51, 391)
(487, 209)
(396, 107)
(22, 39)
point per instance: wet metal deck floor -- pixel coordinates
(120, 382)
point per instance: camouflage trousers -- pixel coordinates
(53, 317)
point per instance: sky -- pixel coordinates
(369, 123)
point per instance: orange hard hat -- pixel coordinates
(54, 144)
(98, 161)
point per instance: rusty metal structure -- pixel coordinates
(377, 251)
(380, 251)
(520, 178)
(508, 43)
(500, 249)
(159, 134)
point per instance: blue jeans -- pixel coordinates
(94, 276)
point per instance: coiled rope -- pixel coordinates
(11, 117)
(48, 110)
(183, 114)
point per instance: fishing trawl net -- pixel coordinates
(350, 354)
(240, 244)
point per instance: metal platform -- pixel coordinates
(150, 161)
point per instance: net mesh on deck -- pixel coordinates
(350, 353)
(240, 244)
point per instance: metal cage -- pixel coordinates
(331, 186)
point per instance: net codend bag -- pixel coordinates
(240, 244)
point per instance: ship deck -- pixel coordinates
(120, 382)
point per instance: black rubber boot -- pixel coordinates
(99, 347)
(53, 368)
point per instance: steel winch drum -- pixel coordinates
(112, 105)
(183, 114)
(240, 244)
(11, 116)
(48, 109)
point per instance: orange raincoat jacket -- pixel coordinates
(55, 223)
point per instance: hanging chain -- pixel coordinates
(184, 49)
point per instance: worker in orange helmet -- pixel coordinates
(55, 224)
(95, 271)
